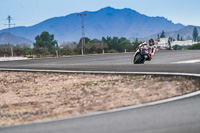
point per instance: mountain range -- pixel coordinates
(104, 22)
(185, 32)
(4, 37)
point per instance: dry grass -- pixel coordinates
(26, 96)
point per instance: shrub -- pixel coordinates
(194, 46)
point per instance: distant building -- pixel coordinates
(183, 43)
(163, 43)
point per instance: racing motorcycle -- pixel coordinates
(141, 55)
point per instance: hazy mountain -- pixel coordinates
(186, 32)
(4, 37)
(104, 22)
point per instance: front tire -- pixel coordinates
(137, 59)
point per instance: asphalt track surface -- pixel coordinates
(122, 62)
(178, 116)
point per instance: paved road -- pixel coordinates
(180, 116)
(162, 62)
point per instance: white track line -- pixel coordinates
(186, 62)
(13, 58)
(101, 72)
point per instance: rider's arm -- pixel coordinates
(142, 45)
(153, 50)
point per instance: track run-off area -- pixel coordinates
(175, 115)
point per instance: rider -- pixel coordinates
(150, 46)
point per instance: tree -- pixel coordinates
(162, 34)
(124, 44)
(169, 42)
(68, 48)
(87, 45)
(45, 44)
(178, 37)
(111, 42)
(136, 44)
(198, 38)
(195, 34)
(100, 45)
(5, 49)
(182, 38)
(158, 39)
(114, 43)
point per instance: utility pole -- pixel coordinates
(82, 26)
(9, 38)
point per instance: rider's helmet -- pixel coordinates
(151, 42)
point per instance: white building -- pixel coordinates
(163, 43)
(183, 43)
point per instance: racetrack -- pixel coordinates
(161, 62)
(179, 116)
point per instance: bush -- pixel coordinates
(112, 51)
(194, 46)
(177, 47)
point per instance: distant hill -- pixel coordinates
(186, 32)
(104, 22)
(4, 37)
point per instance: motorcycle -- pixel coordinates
(141, 55)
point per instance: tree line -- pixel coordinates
(46, 46)
(19, 50)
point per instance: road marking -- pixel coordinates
(101, 72)
(187, 62)
(13, 58)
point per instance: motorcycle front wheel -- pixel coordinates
(138, 60)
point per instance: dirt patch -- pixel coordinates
(26, 96)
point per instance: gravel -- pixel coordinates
(28, 96)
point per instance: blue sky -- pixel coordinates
(30, 12)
